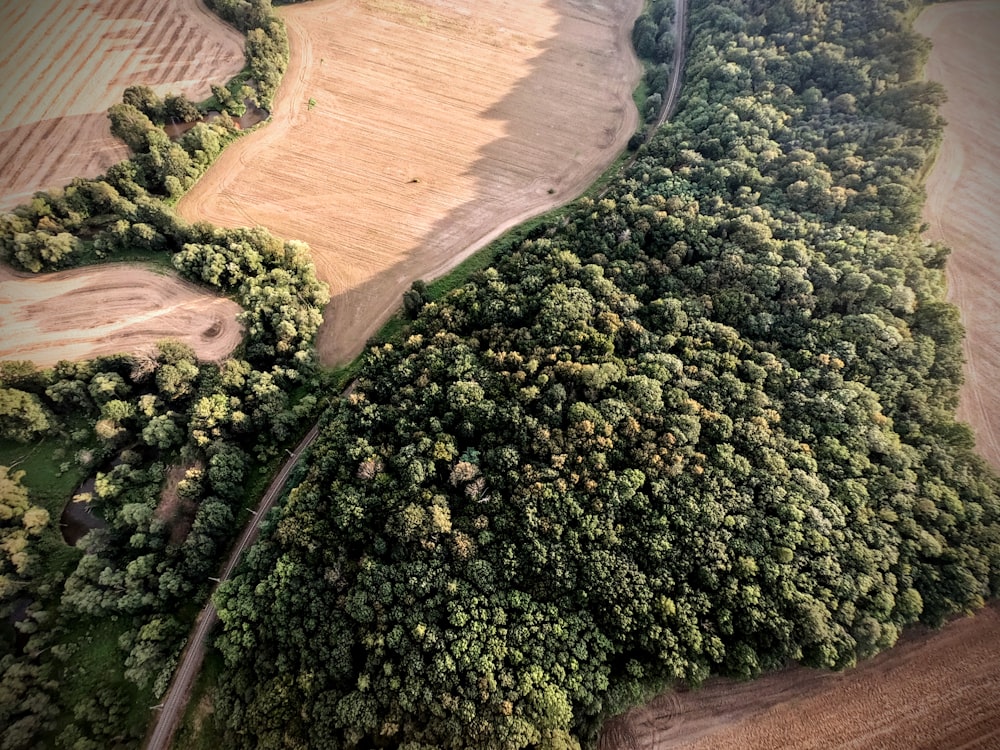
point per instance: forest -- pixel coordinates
(704, 424)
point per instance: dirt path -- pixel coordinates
(962, 207)
(677, 69)
(86, 312)
(64, 62)
(434, 127)
(932, 691)
(175, 701)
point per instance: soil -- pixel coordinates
(86, 312)
(409, 133)
(64, 62)
(178, 514)
(962, 208)
(933, 690)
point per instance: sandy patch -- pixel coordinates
(64, 62)
(177, 513)
(933, 690)
(962, 207)
(433, 126)
(86, 312)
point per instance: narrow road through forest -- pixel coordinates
(176, 699)
(168, 713)
(680, 54)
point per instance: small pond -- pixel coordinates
(78, 518)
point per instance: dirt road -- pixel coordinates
(680, 55)
(176, 698)
(434, 125)
(933, 690)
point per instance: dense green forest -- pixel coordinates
(165, 449)
(702, 425)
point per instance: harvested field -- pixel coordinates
(64, 62)
(962, 208)
(933, 690)
(408, 133)
(87, 312)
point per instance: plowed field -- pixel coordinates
(932, 691)
(962, 208)
(409, 132)
(85, 312)
(64, 62)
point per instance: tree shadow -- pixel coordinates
(563, 124)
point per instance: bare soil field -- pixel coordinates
(962, 190)
(86, 312)
(408, 133)
(64, 62)
(933, 690)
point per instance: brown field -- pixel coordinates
(962, 207)
(436, 125)
(935, 690)
(87, 312)
(64, 62)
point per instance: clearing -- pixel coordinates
(64, 62)
(962, 208)
(409, 133)
(86, 312)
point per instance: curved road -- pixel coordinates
(680, 54)
(175, 701)
(177, 695)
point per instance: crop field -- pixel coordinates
(932, 690)
(86, 312)
(64, 62)
(408, 133)
(961, 207)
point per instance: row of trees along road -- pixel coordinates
(704, 425)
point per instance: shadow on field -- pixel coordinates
(564, 123)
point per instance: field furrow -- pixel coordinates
(85, 312)
(935, 689)
(65, 62)
(961, 209)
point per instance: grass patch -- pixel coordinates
(640, 94)
(201, 728)
(50, 472)
(97, 664)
